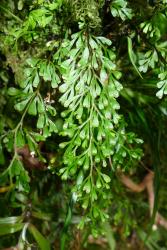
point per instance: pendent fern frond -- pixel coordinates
(89, 94)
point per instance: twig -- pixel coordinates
(147, 184)
(11, 14)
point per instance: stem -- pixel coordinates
(11, 14)
(15, 138)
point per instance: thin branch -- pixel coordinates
(11, 14)
(146, 184)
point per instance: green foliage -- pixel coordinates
(92, 121)
(83, 98)
(119, 9)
